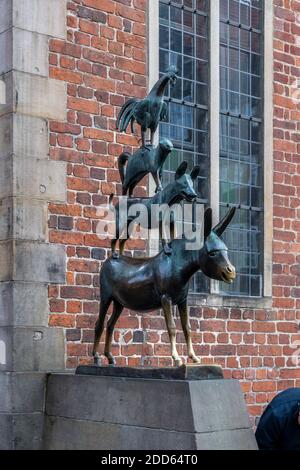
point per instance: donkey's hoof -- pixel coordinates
(195, 359)
(178, 362)
(115, 255)
(111, 359)
(97, 360)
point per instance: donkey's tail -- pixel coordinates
(123, 159)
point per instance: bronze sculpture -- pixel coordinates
(147, 284)
(180, 189)
(161, 282)
(150, 111)
(142, 162)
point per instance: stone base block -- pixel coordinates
(118, 413)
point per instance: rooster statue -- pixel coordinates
(150, 111)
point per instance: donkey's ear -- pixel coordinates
(222, 226)
(207, 222)
(195, 172)
(181, 170)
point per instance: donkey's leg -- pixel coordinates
(186, 326)
(110, 329)
(104, 306)
(167, 308)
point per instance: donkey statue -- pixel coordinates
(163, 281)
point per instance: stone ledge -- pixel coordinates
(185, 372)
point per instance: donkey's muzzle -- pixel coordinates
(229, 274)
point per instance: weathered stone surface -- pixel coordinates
(42, 16)
(21, 431)
(24, 219)
(125, 413)
(6, 177)
(22, 392)
(6, 15)
(5, 392)
(6, 434)
(6, 261)
(20, 308)
(39, 262)
(6, 51)
(6, 93)
(69, 434)
(6, 348)
(6, 303)
(219, 413)
(234, 439)
(32, 262)
(40, 97)
(44, 179)
(24, 146)
(6, 218)
(33, 349)
(39, 349)
(29, 219)
(33, 178)
(28, 431)
(200, 399)
(135, 409)
(6, 135)
(24, 60)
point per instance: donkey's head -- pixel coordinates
(214, 261)
(182, 187)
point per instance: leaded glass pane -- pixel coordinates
(241, 139)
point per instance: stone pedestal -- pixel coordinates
(94, 412)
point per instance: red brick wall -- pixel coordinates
(103, 62)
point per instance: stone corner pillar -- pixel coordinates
(29, 180)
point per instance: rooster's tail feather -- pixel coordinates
(126, 115)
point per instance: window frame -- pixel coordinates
(214, 298)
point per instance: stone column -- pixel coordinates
(28, 181)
